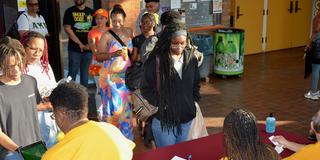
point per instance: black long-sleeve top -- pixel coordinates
(186, 89)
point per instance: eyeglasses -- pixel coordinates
(35, 50)
(33, 4)
(176, 46)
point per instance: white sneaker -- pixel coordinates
(318, 93)
(310, 95)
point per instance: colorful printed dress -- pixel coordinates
(114, 93)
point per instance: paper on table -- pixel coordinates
(274, 142)
(278, 147)
(177, 158)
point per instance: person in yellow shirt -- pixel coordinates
(83, 139)
(305, 152)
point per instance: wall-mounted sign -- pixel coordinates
(217, 6)
(175, 4)
(22, 5)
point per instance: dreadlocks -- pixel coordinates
(44, 60)
(11, 48)
(168, 110)
(242, 138)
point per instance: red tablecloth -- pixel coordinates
(210, 147)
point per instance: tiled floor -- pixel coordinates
(272, 82)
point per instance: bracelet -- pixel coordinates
(18, 149)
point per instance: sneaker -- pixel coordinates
(318, 93)
(310, 95)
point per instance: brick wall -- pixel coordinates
(226, 12)
(131, 7)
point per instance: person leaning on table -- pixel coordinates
(304, 152)
(84, 139)
(242, 140)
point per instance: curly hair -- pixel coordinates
(72, 97)
(11, 48)
(44, 60)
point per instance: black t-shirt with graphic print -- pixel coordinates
(81, 23)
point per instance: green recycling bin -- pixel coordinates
(228, 54)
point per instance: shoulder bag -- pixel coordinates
(143, 109)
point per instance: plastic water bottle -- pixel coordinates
(271, 123)
(46, 92)
(64, 80)
(220, 49)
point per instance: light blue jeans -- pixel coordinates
(48, 128)
(169, 137)
(13, 156)
(315, 77)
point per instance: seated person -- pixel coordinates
(305, 152)
(242, 140)
(83, 139)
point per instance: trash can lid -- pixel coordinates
(229, 30)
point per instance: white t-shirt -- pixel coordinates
(178, 64)
(29, 23)
(46, 82)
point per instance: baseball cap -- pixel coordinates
(102, 12)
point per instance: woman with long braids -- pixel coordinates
(242, 140)
(178, 89)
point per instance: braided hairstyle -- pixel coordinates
(242, 140)
(44, 60)
(11, 48)
(168, 110)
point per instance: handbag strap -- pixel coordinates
(158, 73)
(117, 38)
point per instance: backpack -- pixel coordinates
(13, 31)
(134, 72)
